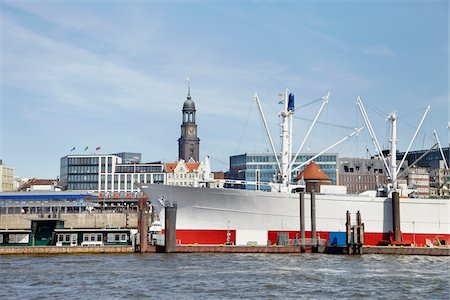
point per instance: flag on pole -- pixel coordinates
(72, 149)
(87, 147)
(98, 148)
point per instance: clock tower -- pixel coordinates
(188, 143)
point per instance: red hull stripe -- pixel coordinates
(217, 237)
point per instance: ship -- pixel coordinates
(254, 217)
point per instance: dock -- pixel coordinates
(386, 250)
(51, 250)
(395, 250)
(288, 249)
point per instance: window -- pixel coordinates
(117, 237)
(99, 237)
(67, 237)
(86, 237)
(110, 237)
(92, 237)
(123, 237)
(1, 238)
(60, 237)
(21, 238)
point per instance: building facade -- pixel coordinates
(431, 160)
(129, 157)
(440, 183)
(361, 174)
(419, 178)
(437, 180)
(36, 184)
(189, 143)
(106, 173)
(6, 178)
(262, 167)
(183, 173)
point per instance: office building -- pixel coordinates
(262, 167)
(361, 174)
(6, 178)
(106, 173)
(129, 157)
(431, 160)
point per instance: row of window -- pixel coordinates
(301, 158)
(18, 238)
(83, 178)
(139, 169)
(90, 186)
(83, 169)
(368, 179)
(83, 160)
(98, 237)
(189, 175)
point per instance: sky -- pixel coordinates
(113, 74)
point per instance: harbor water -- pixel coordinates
(224, 276)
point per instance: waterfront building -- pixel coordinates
(188, 143)
(6, 178)
(440, 183)
(361, 174)
(106, 173)
(36, 184)
(432, 160)
(262, 167)
(419, 179)
(183, 173)
(19, 181)
(48, 204)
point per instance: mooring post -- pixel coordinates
(302, 221)
(348, 230)
(143, 223)
(360, 232)
(396, 217)
(313, 218)
(170, 212)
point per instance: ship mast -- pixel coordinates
(392, 169)
(393, 152)
(285, 115)
(285, 161)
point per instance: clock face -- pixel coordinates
(191, 131)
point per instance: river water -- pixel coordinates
(224, 276)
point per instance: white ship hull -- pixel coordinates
(205, 216)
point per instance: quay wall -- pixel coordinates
(13, 250)
(74, 220)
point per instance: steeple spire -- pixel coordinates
(189, 87)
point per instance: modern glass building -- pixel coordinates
(129, 157)
(430, 160)
(106, 173)
(250, 166)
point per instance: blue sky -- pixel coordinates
(91, 73)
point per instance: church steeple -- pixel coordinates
(189, 88)
(188, 143)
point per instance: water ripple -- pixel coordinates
(224, 276)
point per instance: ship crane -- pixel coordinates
(392, 169)
(286, 163)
